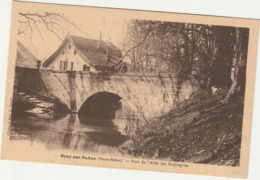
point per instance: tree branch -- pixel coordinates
(145, 37)
(52, 21)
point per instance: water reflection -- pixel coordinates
(106, 131)
(86, 132)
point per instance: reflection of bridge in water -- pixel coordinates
(86, 133)
(144, 95)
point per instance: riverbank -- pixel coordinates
(199, 130)
(24, 103)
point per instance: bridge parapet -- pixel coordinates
(163, 75)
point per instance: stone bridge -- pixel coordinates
(143, 95)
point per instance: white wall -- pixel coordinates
(68, 56)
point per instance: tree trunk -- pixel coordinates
(236, 65)
(213, 53)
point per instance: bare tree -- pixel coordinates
(238, 68)
(55, 23)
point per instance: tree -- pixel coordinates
(135, 46)
(238, 69)
(212, 55)
(57, 24)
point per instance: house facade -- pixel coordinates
(82, 54)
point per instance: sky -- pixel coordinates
(42, 43)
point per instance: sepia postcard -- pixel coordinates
(130, 89)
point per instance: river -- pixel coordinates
(85, 133)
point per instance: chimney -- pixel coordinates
(100, 39)
(108, 57)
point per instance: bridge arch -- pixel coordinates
(101, 103)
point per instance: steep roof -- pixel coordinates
(24, 57)
(94, 50)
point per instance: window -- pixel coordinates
(61, 65)
(69, 46)
(85, 67)
(71, 66)
(75, 51)
(65, 65)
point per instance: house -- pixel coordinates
(24, 57)
(82, 54)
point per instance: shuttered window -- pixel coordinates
(65, 65)
(71, 66)
(61, 65)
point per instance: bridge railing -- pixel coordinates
(162, 75)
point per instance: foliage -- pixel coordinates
(206, 53)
